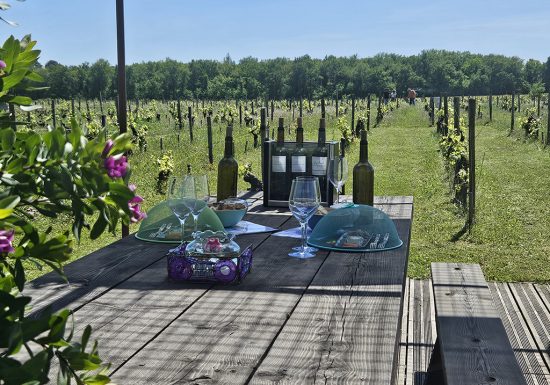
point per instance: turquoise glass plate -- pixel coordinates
(356, 228)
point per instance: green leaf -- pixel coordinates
(99, 227)
(98, 379)
(30, 108)
(19, 275)
(21, 100)
(86, 337)
(8, 138)
(9, 202)
(10, 81)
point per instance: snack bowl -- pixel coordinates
(230, 211)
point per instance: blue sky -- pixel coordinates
(75, 31)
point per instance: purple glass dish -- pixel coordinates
(186, 268)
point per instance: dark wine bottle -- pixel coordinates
(363, 175)
(228, 169)
(319, 160)
(280, 173)
(298, 156)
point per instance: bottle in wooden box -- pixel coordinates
(298, 157)
(319, 160)
(280, 173)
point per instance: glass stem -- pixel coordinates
(182, 230)
(338, 195)
(195, 221)
(303, 227)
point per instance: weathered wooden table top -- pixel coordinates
(334, 318)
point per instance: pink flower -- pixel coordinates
(213, 245)
(116, 166)
(135, 209)
(6, 239)
(2, 64)
(108, 146)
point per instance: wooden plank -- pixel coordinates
(130, 315)
(411, 341)
(404, 340)
(222, 337)
(524, 346)
(386, 200)
(346, 327)
(534, 313)
(474, 345)
(90, 276)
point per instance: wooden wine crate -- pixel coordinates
(268, 177)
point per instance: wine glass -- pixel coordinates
(304, 199)
(197, 196)
(175, 199)
(338, 174)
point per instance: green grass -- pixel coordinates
(509, 240)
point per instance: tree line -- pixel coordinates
(430, 72)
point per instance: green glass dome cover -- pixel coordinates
(162, 226)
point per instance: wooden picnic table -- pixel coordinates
(334, 318)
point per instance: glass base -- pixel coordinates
(308, 249)
(301, 255)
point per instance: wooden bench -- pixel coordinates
(472, 346)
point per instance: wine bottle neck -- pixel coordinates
(228, 153)
(364, 151)
(280, 136)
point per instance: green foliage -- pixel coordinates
(165, 166)
(530, 122)
(57, 174)
(343, 125)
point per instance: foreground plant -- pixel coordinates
(56, 174)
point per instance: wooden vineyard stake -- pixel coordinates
(471, 162)
(252, 106)
(538, 106)
(301, 104)
(456, 117)
(72, 107)
(446, 116)
(432, 111)
(240, 115)
(368, 112)
(266, 107)
(272, 109)
(353, 116)
(209, 134)
(323, 108)
(161, 145)
(519, 102)
(179, 115)
(53, 113)
(337, 112)
(246, 146)
(263, 131)
(513, 112)
(190, 117)
(178, 138)
(490, 107)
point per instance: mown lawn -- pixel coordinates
(510, 239)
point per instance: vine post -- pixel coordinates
(353, 115)
(263, 133)
(272, 109)
(513, 118)
(53, 114)
(490, 107)
(209, 134)
(471, 162)
(446, 116)
(456, 117)
(368, 112)
(190, 117)
(432, 111)
(323, 108)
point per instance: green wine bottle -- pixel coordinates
(319, 160)
(363, 175)
(280, 175)
(298, 158)
(228, 169)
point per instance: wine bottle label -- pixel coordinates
(319, 165)
(299, 163)
(278, 163)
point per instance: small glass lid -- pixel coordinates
(209, 244)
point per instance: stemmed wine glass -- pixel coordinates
(175, 195)
(197, 195)
(304, 199)
(338, 174)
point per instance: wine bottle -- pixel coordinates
(363, 175)
(228, 169)
(280, 175)
(319, 160)
(298, 157)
